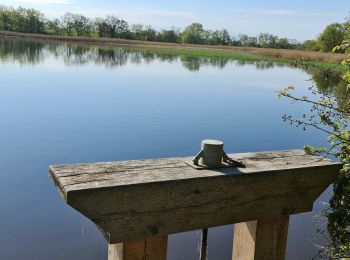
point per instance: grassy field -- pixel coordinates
(319, 59)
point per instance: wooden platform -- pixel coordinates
(134, 200)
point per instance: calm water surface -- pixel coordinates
(67, 103)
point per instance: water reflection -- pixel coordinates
(34, 52)
(28, 52)
(261, 65)
(23, 52)
(52, 114)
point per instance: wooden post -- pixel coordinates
(263, 239)
(153, 248)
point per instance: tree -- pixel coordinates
(101, 27)
(122, 29)
(68, 23)
(168, 36)
(116, 27)
(5, 18)
(34, 21)
(311, 45)
(267, 40)
(332, 36)
(21, 20)
(18, 21)
(136, 31)
(193, 34)
(81, 25)
(149, 34)
(219, 37)
(225, 37)
(247, 41)
(283, 43)
(54, 26)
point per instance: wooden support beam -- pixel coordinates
(135, 200)
(263, 239)
(153, 248)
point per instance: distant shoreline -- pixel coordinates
(234, 52)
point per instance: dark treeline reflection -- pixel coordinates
(24, 52)
(34, 52)
(260, 65)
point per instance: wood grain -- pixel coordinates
(134, 200)
(152, 248)
(263, 239)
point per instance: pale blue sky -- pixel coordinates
(298, 19)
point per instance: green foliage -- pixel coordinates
(137, 31)
(330, 113)
(267, 40)
(193, 34)
(54, 27)
(332, 36)
(144, 33)
(21, 20)
(115, 27)
(218, 37)
(5, 18)
(82, 25)
(74, 24)
(168, 36)
(311, 45)
(149, 34)
(101, 27)
(247, 41)
(68, 23)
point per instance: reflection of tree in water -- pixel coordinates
(217, 62)
(195, 63)
(34, 52)
(191, 63)
(167, 57)
(75, 55)
(25, 52)
(262, 64)
(326, 82)
(110, 58)
(135, 57)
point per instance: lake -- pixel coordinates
(62, 103)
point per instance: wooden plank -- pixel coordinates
(134, 200)
(153, 248)
(264, 239)
(244, 240)
(115, 251)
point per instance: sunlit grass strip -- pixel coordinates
(234, 55)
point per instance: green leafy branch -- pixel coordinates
(330, 114)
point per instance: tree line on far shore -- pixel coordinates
(33, 21)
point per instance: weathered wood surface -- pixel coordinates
(263, 239)
(133, 200)
(152, 248)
